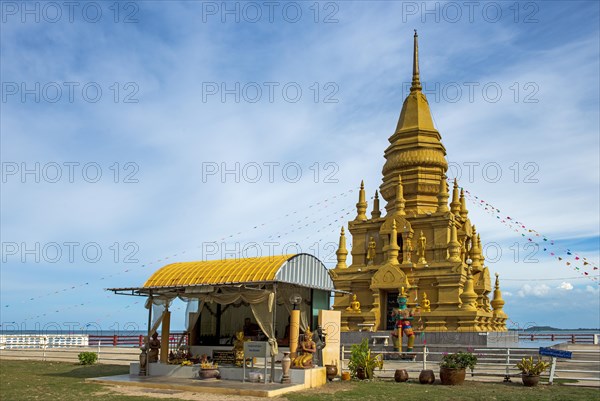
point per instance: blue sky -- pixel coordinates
(189, 89)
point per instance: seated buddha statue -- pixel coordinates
(304, 360)
(425, 303)
(354, 305)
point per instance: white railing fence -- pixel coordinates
(500, 362)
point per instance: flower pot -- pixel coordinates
(204, 374)
(331, 371)
(452, 377)
(530, 380)
(401, 375)
(361, 374)
(345, 376)
(427, 377)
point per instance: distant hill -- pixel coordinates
(550, 328)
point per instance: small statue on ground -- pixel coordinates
(154, 347)
(371, 252)
(403, 317)
(425, 303)
(307, 348)
(354, 305)
(319, 339)
(421, 249)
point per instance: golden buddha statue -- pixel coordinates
(425, 303)
(354, 305)
(238, 347)
(421, 249)
(371, 251)
(307, 348)
(409, 251)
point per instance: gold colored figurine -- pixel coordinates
(354, 305)
(425, 303)
(409, 250)
(421, 250)
(371, 251)
(238, 347)
(307, 348)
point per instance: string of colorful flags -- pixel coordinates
(570, 258)
(300, 224)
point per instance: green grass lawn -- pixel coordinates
(469, 391)
(58, 381)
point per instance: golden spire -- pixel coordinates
(463, 205)
(393, 248)
(361, 206)
(498, 302)
(416, 81)
(453, 244)
(400, 202)
(469, 296)
(455, 204)
(376, 213)
(475, 252)
(481, 257)
(443, 196)
(342, 252)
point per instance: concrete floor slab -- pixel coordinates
(215, 386)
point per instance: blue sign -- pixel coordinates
(556, 353)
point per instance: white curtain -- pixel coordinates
(261, 302)
(159, 305)
(263, 313)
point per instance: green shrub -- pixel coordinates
(87, 358)
(459, 360)
(362, 359)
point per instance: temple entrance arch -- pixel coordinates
(386, 285)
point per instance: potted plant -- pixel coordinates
(530, 371)
(452, 367)
(362, 363)
(208, 370)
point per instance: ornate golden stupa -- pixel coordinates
(422, 243)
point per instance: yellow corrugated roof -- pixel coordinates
(212, 272)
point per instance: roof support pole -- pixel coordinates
(150, 301)
(274, 330)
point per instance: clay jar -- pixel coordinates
(401, 375)
(427, 377)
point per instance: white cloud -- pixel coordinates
(539, 290)
(565, 286)
(593, 290)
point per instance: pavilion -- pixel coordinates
(222, 294)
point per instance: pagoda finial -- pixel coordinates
(361, 206)
(342, 252)
(453, 245)
(400, 201)
(455, 204)
(416, 81)
(498, 302)
(393, 248)
(376, 213)
(469, 296)
(443, 196)
(463, 205)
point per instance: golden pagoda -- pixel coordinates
(422, 243)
